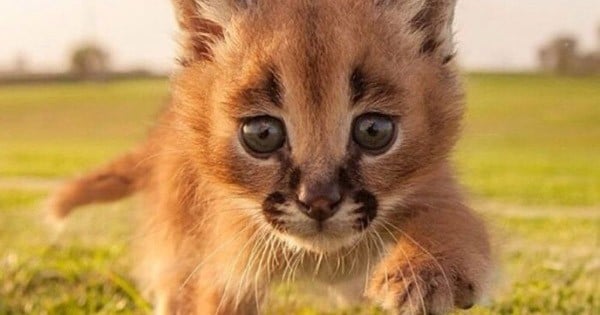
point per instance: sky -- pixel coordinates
(491, 34)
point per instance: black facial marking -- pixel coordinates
(358, 85)
(271, 211)
(273, 88)
(267, 89)
(294, 180)
(371, 89)
(368, 208)
(351, 171)
(344, 179)
(275, 198)
(285, 167)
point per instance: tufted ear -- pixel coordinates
(433, 20)
(202, 23)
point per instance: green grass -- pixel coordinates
(60, 129)
(530, 155)
(533, 139)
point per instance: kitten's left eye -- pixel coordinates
(263, 135)
(374, 132)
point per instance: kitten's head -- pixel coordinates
(322, 116)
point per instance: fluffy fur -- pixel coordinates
(221, 225)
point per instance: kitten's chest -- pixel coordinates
(336, 269)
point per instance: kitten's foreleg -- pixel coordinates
(441, 260)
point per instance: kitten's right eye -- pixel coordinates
(374, 132)
(263, 135)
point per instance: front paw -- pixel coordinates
(420, 288)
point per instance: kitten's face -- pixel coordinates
(323, 119)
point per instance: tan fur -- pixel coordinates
(206, 246)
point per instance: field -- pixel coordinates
(530, 157)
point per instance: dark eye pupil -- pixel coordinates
(373, 132)
(263, 135)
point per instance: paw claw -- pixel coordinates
(426, 291)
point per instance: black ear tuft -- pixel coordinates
(448, 58)
(434, 20)
(431, 19)
(202, 23)
(197, 32)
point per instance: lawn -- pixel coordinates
(530, 156)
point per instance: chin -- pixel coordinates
(323, 241)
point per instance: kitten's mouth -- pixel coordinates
(341, 230)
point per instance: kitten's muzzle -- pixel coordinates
(320, 201)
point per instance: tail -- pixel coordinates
(118, 179)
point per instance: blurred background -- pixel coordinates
(82, 80)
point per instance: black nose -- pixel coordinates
(320, 201)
